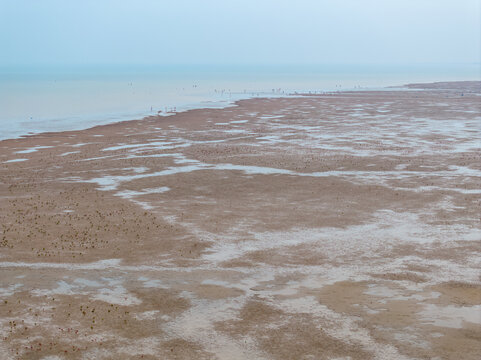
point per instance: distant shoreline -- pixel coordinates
(468, 86)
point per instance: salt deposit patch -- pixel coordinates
(272, 139)
(128, 194)
(63, 288)
(156, 145)
(216, 282)
(348, 329)
(381, 291)
(147, 315)
(263, 241)
(388, 229)
(79, 145)
(138, 170)
(130, 146)
(136, 156)
(98, 158)
(97, 265)
(266, 117)
(69, 153)
(118, 295)
(231, 131)
(87, 282)
(107, 183)
(137, 349)
(451, 316)
(14, 160)
(151, 283)
(198, 324)
(115, 293)
(10, 290)
(32, 149)
(111, 182)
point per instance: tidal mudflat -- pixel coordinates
(335, 226)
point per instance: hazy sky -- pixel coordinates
(239, 31)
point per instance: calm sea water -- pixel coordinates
(56, 99)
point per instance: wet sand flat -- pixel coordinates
(335, 226)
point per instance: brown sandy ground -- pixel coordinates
(336, 226)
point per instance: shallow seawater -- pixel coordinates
(59, 99)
